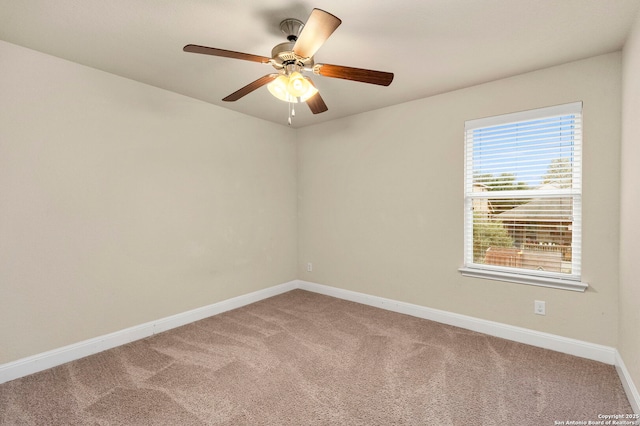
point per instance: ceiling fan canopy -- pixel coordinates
(294, 57)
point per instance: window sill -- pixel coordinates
(524, 279)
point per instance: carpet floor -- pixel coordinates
(302, 358)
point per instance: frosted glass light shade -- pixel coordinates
(293, 88)
(297, 86)
(278, 88)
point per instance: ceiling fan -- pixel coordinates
(292, 58)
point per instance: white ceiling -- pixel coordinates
(432, 46)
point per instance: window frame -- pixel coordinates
(559, 280)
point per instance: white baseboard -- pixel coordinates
(629, 387)
(566, 345)
(33, 364)
(605, 354)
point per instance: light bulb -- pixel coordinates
(298, 85)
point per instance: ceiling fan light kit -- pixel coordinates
(294, 57)
(292, 88)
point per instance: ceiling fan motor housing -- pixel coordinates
(283, 55)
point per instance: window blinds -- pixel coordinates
(523, 186)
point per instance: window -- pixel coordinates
(523, 190)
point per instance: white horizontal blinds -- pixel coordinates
(523, 186)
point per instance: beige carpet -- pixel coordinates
(306, 359)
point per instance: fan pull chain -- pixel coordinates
(292, 112)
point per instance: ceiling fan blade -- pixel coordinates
(316, 103)
(315, 32)
(355, 74)
(194, 48)
(250, 87)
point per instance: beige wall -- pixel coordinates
(121, 203)
(629, 341)
(381, 202)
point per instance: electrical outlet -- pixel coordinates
(309, 267)
(539, 307)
